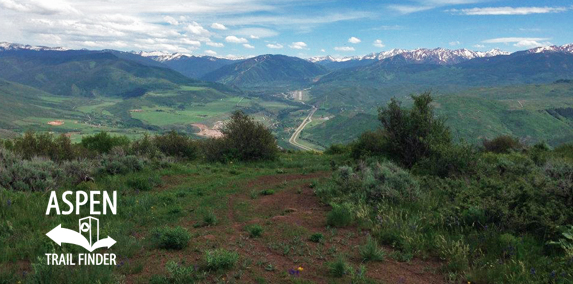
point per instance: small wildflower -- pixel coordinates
(300, 268)
(532, 271)
(9, 202)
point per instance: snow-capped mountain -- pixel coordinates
(163, 57)
(567, 48)
(439, 56)
(15, 46)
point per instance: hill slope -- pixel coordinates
(85, 73)
(267, 71)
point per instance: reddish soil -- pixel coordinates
(290, 213)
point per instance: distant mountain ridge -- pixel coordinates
(267, 71)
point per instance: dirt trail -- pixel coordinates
(288, 217)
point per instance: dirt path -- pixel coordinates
(288, 217)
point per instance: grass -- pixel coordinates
(155, 221)
(340, 216)
(255, 231)
(220, 259)
(171, 238)
(370, 251)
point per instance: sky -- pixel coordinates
(228, 28)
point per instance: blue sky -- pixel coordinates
(292, 27)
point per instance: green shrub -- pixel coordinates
(217, 150)
(143, 183)
(32, 144)
(144, 147)
(78, 171)
(339, 216)
(176, 145)
(337, 149)
(339, 267)
(171, 238)
(502, 144)
(316, 238)
(209, 218)
(448, 160)
(370, 251)
(220, 259)
(103, 142)
(369, 144)
(412, 134)
(36, 174)
(249, 140)
(117, 162)
(267, 192)
(179, 273)
(255, 230)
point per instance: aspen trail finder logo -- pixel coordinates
(88, 234)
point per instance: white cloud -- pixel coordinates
(210, 52)
(354, 40)
(378, 43)
(323, 50)
(256, 32)
(530, 43)
(275, 46)
(168, 19)
(246, 45)
(52, 7)
(454, 43)
(478, 45)
(344, 48)
(424, 5)
(191, 42)
(218, 26)
(214, 44)
(508, 10)
(298, 45)
(234, 39)
(197, 29)
(520, 41)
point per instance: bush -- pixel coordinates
(370, 251)
(36, 174)
(171, 238)
(369, 144)
(117, 162)
(248, 140)
(144, 147)
(502, 144)
(316, 238)
(143, 183)
(339, 267)
(217, 150)
(337, 149)
(103, 142)
(255, 230)
(176, 145)
(179, 273)
(44, 145)
(78, 171)
(412, 134)
(220, 259)
(449, 160)
(339, 216)
(209, 218)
